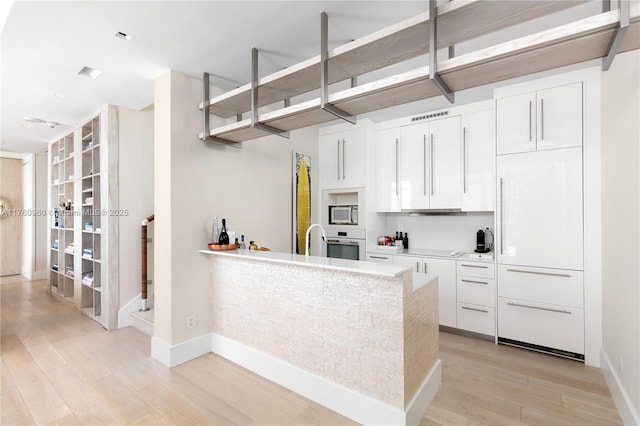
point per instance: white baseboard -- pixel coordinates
(182, 352)
(627, 411)
(338, 398)
(425, 394)
(124, 314)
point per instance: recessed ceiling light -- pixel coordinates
(57, 95)
(89, 72)
(123, 36)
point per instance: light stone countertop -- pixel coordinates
(372, 268)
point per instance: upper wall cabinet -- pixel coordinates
(388, 170)
(343, 156)
(546, 119)
(430, 165)
(443, 164)
(478, 155)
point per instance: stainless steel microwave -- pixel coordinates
(343, 215)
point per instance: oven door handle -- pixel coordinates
(343, 242)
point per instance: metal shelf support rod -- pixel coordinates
(616, 40)
(433, 54)
(324, 73)
(206, 125)
(254, 100)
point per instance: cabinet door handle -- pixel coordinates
(560, 311)
(474, 309)
(424, 165)
(396, 167)
(501, 217)
(417, 266)
(338, 163)
(530, 120)
(425, 267)
(343, 159)
(378, 257)
(541, 118)
(474, 266)
(464, 160)
(552, 274)
(475, 282)
(431, 163)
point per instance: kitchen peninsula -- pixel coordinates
(358, 337)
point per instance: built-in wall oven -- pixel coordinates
(341, 244)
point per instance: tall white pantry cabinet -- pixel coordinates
(539, 214)
(83, 226)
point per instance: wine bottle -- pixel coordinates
(405, 242)
(224, 237)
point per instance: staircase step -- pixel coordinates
(143, 321)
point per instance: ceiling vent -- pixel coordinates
(89, 72)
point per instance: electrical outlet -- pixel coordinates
(149, 240)
(400, 227)
(191, 322)
(149, 282)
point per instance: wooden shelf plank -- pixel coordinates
(579, 41)
(459, 20)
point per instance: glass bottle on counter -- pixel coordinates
(243, 246)
(405, 241)
(215, 233)
(224, 237)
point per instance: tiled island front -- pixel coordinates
(360, 338)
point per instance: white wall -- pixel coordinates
(135, 168)
(621, 230)
(195, 181)
(28, 220)
(40, 233)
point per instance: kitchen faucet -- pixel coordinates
(308, 244)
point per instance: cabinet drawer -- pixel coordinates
(479, 319)
(479, 291)
(541, 324)
(476, 269)
(380, 258)
(554, 286)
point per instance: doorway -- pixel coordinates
(11, 205)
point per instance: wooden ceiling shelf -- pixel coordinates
(458, 20)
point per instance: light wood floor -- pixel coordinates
(59, 367)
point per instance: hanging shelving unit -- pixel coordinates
(598, 36)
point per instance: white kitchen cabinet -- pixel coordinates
(445, 163)
(539, 217)
(388, 170)
(379, 258)
(556, 329)
(430, 165)
(544, 285)
(445, 269)
(478, 156)
(415, 171)
(541, 120)
(342, 159)
(476, 295)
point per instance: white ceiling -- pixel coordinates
(46, 43)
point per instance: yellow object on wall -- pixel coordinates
(303, 202)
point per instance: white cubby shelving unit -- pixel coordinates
(82, 253)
